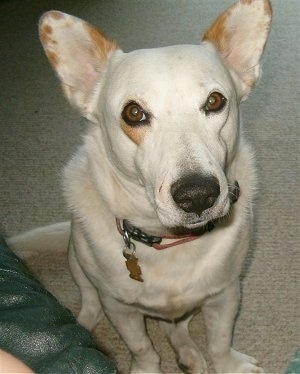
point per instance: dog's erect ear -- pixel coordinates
(79, 55)
(240, 34)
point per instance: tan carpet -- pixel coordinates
(39, 132)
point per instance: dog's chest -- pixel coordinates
(176, 283)
(170, 301)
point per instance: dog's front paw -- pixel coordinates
(236, 362)
(191, 361)
(90, 317)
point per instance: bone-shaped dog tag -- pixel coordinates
(133, 267)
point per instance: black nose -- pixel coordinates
(195, 193)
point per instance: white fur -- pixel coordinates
(113, 176)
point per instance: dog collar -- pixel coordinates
(128, 231)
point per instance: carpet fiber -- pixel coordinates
(39, 132)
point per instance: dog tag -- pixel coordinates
(133, 267)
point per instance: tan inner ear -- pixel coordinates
(217, 33)
(103, 45)
(240, 34)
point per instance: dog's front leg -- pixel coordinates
(219, 314)
(189, 357)
(130, 324)
(91, 310)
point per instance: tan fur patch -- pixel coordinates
(268, 8)
(54, 60)
(45, 35)
(47, 29)
(104, 46)
(217, 33)
(136, 134)
(56, 15)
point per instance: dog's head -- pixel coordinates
(169, 115)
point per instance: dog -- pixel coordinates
(161, 190)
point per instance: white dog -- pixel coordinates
(151, 188)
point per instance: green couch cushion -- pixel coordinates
(37, 329)
(294, 365)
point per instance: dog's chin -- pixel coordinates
(179, 222)
(196, 224)
(188, 224)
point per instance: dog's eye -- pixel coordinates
(134, 114)
(214, 103)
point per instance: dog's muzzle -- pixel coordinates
(195, 193)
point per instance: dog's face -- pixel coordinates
(172, 124)
(169, 115)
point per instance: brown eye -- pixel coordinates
(215, 103)
(134, 114)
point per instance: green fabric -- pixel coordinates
(294, 365)
(35, 328)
